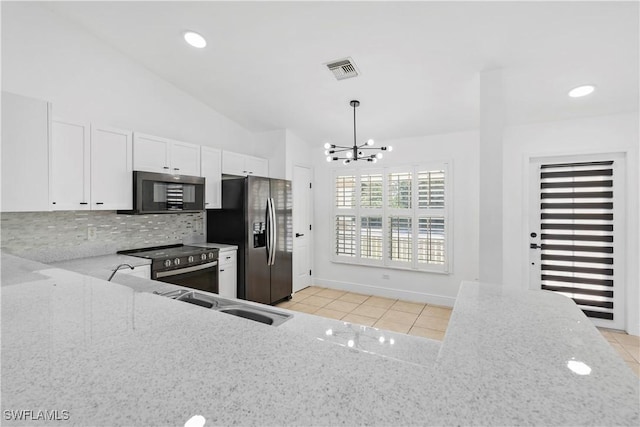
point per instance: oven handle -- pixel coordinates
(186, 269)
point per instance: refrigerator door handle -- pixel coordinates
(274, 228)
(268, 232)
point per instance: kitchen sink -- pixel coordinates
(234, 308)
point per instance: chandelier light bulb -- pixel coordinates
(327, 145)
(370, 142)
(326, 152)
(379, 155)
(346, 161)
(349, 154)
(389, 148)
(374, 160)
(328, 158)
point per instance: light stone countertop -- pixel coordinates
(113, 356)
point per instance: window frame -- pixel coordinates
(415, 213)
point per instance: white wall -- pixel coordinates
(48, 57)
(298, 152)
(604, 134)
(461, 149)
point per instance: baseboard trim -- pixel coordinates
(386, 292)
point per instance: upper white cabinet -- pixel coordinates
(162, 155)
(111, 168)
(91, 167)
(70, 163)
(25, 153)
(242, 164)
(211, 168)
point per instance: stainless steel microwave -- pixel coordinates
(165, 193)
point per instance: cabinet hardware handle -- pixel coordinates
(206, 203)
(299, 234)
(84, 203)
(176, 169)
(221, 270)
(228, 257)
(99, 203)
(54, 203)
(165, 167)
(534, 246)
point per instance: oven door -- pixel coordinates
(203, 277)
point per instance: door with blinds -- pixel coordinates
(576, 233)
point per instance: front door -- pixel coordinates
(576, 232)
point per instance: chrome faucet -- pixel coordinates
(116, 269)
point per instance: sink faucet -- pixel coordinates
(118, 268)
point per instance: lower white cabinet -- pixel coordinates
(227, 273)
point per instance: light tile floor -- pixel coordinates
(424, 320)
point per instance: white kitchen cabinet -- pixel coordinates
(227, 273)
(242, 164)
(91, 167)
(185, 158)
(25, 153)
(211, 169)
(162, 155)
(70, 163)
(111, 168)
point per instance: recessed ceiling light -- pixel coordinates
(580, 91)
(195, 39)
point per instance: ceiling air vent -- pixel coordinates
(343, 68)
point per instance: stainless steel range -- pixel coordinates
(189, 266)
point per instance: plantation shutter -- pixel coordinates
(577, 235)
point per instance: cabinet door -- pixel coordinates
(257, 166)
(25, 154)
(185, 158)
(111, 168)
(150, 153)
(227, 274)
(70, 162)
(233, 163)
(211, 168)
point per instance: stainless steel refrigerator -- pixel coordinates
(256, 216)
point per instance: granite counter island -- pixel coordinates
(84, 351)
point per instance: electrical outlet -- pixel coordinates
(385, 276)
(92, 233)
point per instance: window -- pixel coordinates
(394, 217)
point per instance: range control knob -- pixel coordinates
(203, 257)
(190, 258)
(211, 255)
(176, 261)
(167, 263)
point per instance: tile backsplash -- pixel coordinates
(58, 236)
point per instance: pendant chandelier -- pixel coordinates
(356, 152)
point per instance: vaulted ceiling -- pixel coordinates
(419, 61)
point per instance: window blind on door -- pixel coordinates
(577, 234)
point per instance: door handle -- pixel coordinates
(299, 234)
(534, 246)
